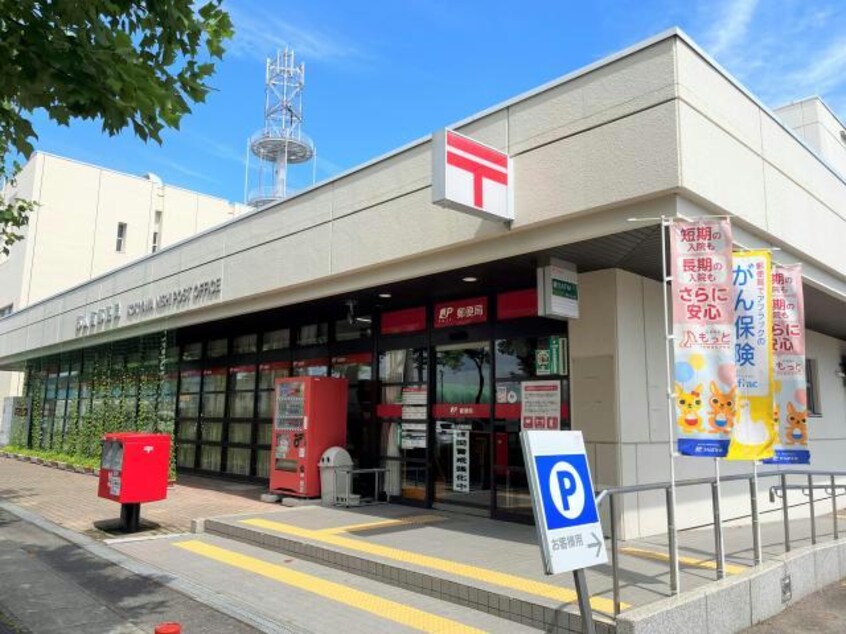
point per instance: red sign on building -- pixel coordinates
(407, 320)
(461, 312)
(470, 176)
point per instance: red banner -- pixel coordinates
(399, 321)
(515, 304)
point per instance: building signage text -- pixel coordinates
(178, 299)
(461, 313)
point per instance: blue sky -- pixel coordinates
(382, 73)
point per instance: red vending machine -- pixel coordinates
(309, 417)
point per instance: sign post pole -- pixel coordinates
(675, 587)
(566, 515)
(584, 601)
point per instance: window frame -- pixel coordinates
(812, 386)
(122, 232)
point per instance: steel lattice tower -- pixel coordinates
(281, 142)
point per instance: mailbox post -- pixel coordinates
(133, 470)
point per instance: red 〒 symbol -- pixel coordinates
(483, 163)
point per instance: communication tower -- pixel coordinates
(281, 142)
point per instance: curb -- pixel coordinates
(53, 464)
(230, 607)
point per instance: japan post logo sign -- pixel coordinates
(471, 177)
(566, 490)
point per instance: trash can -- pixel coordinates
(335, 466)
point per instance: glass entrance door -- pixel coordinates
(462, 426)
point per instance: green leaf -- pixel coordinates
(131, 64)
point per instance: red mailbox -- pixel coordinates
(134, 469)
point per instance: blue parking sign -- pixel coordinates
(566, 490)
(566, 517)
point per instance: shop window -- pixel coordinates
(189, 405)
(268, 373)
(463, 373)
(354, 368)
(265, 431)
(217, 348)
(187, 431)
(238, 461)
(313, 335)
(185, 455)
(214, 393)
(263, 463)
(240, 433)
(192, 351)
(404, 366)
(311, 367)
(245, 344)
(354, 328)
(242, 383)
(210, 458)
(189, 381)
(527, 357)
(212, 432)
(276, 340)
(813, 392)
(402, 369)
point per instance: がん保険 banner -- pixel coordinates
(703, 337)
(791, 396)
(753, 434)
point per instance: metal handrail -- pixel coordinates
(611, 493)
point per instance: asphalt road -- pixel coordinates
(51, 586)
(823, 612)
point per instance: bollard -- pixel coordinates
(168, 628)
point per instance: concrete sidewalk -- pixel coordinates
(70, 500)
(51, 586)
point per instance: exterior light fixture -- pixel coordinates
(469, 278)
(385, 295)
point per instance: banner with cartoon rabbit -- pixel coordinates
(753, 435)
(703, 335)
(791, 412)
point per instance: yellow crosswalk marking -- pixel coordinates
(377, 524)
(384, 608)
(514, 582)
(710, 564)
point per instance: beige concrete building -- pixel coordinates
(89, 221)
(656, 130)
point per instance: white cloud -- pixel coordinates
(182, 169)
(217, 148)
(825, 72)
(730, 28)
(781, 49)
(259, 33)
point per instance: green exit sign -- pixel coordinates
(565, 289)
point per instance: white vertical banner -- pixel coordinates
(791, 395)
(703, 335)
